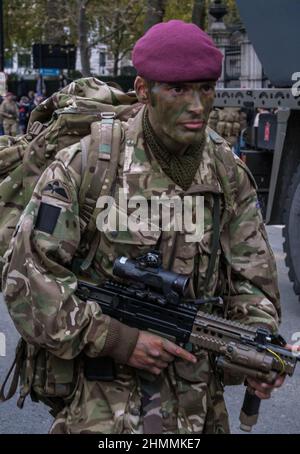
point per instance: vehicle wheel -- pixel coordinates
(291, 231)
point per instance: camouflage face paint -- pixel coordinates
(150, 85)
(179, 112)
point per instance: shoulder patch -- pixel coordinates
(47, 218)
(57, 190)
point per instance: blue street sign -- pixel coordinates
(49, 72)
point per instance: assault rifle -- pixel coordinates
(155, 302)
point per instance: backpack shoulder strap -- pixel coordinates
(228, 178)
(241, 164)
(226, 165)
(100, 158)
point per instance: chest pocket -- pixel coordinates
(129, 230)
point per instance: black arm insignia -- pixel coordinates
(57, 190)
(47, 218)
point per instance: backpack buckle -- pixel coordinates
(108, 115)
(36, 128)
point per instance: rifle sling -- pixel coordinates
(215, 240)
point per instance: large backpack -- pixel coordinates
(60, 121)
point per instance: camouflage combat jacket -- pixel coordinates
(39, 288)
(9, 111)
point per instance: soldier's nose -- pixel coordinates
(195, 105)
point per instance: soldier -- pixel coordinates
(10, 115)
(158, 386)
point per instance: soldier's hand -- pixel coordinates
(293, 348)
(264, 390)
(153, 353)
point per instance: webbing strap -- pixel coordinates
(105, 140)
(15, 379)
(84, 145)
(215, 240)
(106, 134)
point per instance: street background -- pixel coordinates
(279, 415)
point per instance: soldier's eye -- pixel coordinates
(207, 89)
(178, 90)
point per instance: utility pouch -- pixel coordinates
(53, 376)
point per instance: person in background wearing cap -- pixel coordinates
(10, 115)
(158, 387)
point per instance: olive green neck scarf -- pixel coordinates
(180, 168)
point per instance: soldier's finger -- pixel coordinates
(163, 358)
(167, 357)
(260, 386)
(293, 348)
(155, 370)
(279, 381)
(149, 361)
(178, 351)
(265, 387)
(163, 355)
(161, 364)
(155, 362)
(262, 395)
(154, 352)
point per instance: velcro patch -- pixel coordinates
(47, 218)
(58, 190)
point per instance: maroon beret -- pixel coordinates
(177, 51)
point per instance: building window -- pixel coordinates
(24, 60)
(232, 66)
(8, 63)
(102, 59)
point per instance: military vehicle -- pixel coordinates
(272, 150)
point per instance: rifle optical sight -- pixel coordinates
(150, 275)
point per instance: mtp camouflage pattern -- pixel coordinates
(40, 285)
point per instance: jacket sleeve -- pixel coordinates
(253, 296)
(39, 287)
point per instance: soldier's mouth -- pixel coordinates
(193, 125)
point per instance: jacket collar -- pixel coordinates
(206, 176)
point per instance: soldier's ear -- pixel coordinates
(142, 90)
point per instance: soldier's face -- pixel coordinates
(179, 112)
